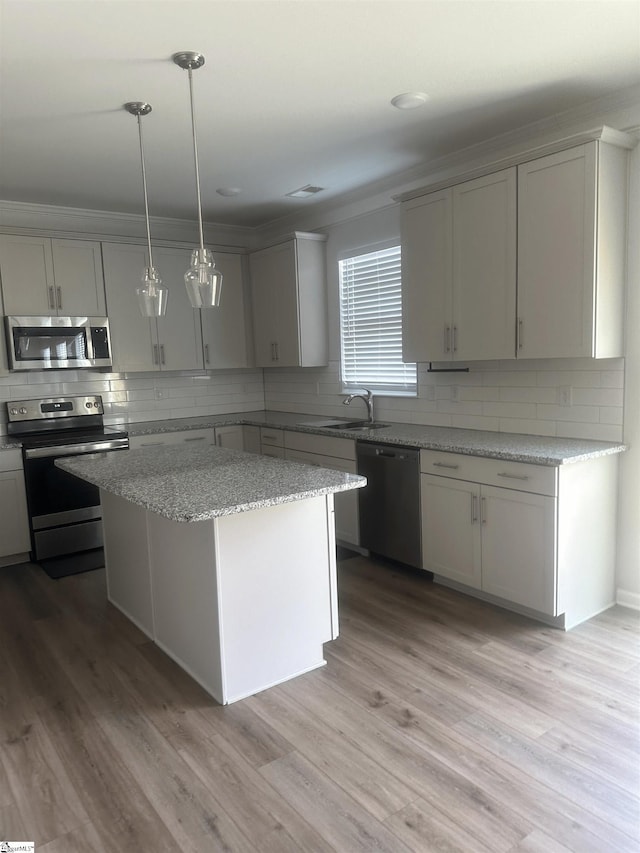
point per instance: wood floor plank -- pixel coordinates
(572, 781)
(268, 820)
(422, 828)
(443, 786)
(339, 819)
(440, 723)
(369, 783)
(192, 816)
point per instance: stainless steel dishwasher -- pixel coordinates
(390, 502)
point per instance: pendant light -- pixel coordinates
(152, 294)
(203, 281)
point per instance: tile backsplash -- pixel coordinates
(143, 397)
(578, 398)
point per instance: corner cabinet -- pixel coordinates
(50, 277)
(338, 454)
(537, 539)
(289, 300)
(459, 271)
(571, 253)
(172, 342)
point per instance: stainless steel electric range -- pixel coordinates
(65, 516)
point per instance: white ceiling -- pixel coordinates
(293, 92)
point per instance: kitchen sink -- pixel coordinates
(357, 425)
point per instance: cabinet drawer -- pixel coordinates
(11, 460)
(326, 445)
(521, 476)
(184, 436)
(333, 462)
(272, 437)
(271, 450)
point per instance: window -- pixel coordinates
(371, 323)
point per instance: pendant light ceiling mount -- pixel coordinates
(202, 280)
(188, 59)
(152, 294)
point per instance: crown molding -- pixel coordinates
(24, 217)
(620, 112)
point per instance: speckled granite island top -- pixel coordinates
(200, 483)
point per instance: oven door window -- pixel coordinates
(50, 490)
(63, 343)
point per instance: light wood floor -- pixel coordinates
(439, 724)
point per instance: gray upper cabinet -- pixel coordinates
(172, 342)
(571, 253)
(528, 262)
(289, 301)
(225, 330)
(51, 277)
(459, 271)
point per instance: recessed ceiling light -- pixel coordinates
(305, 192)
(410, 100)
(228, 192)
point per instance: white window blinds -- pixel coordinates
(371, 323)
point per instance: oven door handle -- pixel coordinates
(76, 449)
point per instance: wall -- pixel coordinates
(628, 571)
(508, 396)
(143, 397)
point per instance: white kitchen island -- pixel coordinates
(225, 559)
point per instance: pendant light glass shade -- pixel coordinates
(152, 294)
(202, 280)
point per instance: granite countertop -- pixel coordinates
(200, 483)
(513, 447)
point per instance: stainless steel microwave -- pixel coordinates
(57, 343)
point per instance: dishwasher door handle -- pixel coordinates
(388, 454)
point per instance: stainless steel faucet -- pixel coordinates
(368, 399)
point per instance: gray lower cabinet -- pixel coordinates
(534, 538)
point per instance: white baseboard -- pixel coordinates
(628, 599)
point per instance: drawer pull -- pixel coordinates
(514, 476)
(152, 444)
(445, 465)
(196, 438)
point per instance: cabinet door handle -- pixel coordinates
(519, 332)
(445, 465)
(162, 359)
(514, 476)
(156, 359)
(474, 508)
(219, 440)
(455, 338)
(59, 292)
(206, 353)
(52, 299)
(277, 351)
(447, 338)
(483, 510)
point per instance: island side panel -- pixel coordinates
(185, 598)
(127, 560)
(274, 575)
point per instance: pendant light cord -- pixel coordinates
(195, 158)
(144, 189)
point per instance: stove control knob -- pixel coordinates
(88, 405)
(23, 411)
(96, 405)
(13, 411)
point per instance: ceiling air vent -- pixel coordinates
(305, 192)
